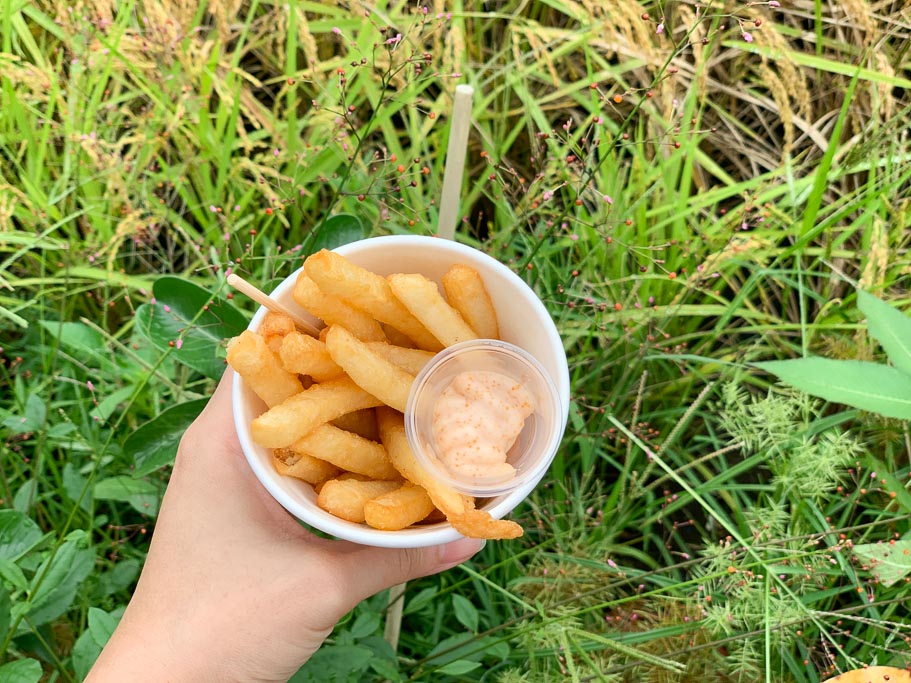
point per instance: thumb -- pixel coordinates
(366, 570)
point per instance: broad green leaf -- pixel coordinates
(32, 420)
(57, 580)
(458, 668)
(154, 444)
(21, 671)
(168, 324)
(5, 605)
(423, 598)
(118, 578)
(465, 612)
(142, 494)
(335, 664)
(84, 342)
(26, 495)
(18, 534)
(102, 625)
(109, 403)
(365, 624)
(868, 386)
(73, 486)
(12, 573)
(94, 638)
(466, 646)
(887, 561)
(336, 231)
(890, 327)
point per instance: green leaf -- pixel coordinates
(366, 624)
(336, 231)
(57, 581)
(12, 573)
(169, 322)
(142, 494)
(21, 671)
(26, 495)
(465, 612)
(118, 578)
(888, 562)
(110, 402)
(18, 534)
(458, 667)
(868, 386)
(5, 605)
(32, 420)
(335, 664)
(94, 638)
(87, 343)
(154, 444)
(467, 646)
(890, 327)
(423, 598)
(73, 485)
(102, 625)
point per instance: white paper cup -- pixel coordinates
(523, 321)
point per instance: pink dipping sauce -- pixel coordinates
(476, 420)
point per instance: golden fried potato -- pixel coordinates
(370, 371)
(369, 292)
(346, 498)
(423, 299)
(299, 415)
(466, 293)
(251, 358)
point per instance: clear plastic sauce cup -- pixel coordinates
(537, 442)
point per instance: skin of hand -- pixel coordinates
(234, 589)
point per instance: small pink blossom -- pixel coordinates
(167, 309)
(611, 564)
(178, 343)
(396, 40)
(774, 3)
(608, 199)
(91, 387)
(336, 30)
(748, 37)
(660, 29)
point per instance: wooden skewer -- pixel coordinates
(260, 297)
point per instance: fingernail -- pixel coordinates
(458, 551)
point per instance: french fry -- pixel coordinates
(423, 299)
(346, 498)
(373, 373)
(466, 293)
(302, 466)
(347, 451)
(304, 355)
(398, 509)
(459, 509)
(275, 325)
(333, 311)
(299, 415)
(410, 360)
(338, 277)
(251, 358)
(396, 337)
(361, 422)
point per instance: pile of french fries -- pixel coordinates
(335, 404)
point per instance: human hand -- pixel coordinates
(233, 587)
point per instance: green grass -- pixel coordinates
(682, 203)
